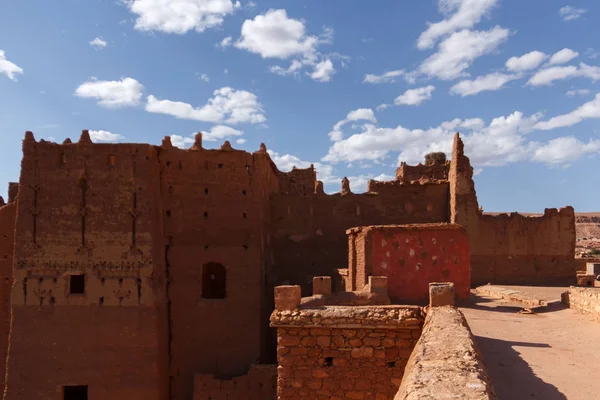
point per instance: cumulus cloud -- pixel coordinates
(548, 75)
(457, 52)
(570, 13)
(217, 132)
(285, 162)
(204, 77)
(8, 68)
(226, 42)
(98, 43)
(489, 82)
(565, 149)
(414, 97)
(227, 105)
(500, 142)
(105, 137)
(240, 141)
(274, 35)
(562, 56)
(460, 14)
(112, 94)
(361, 114)
(526, 62)
(180, 16)
(589, 110)
(386, 77)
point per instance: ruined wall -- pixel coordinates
(87, 210)
(215, 203)
(407, 173)
(583, 299)
(411, 256)
(510, 249)
(308, 233)
(7, 240)
(344, 352)
(445, 363)
(297, 181)
(514, 249)
(259, 384)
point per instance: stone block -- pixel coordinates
(441, 294)
(287, 297)
(378, 284)
(322, 285)
(586, 279)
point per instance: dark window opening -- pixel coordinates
(168, 163)
(391, 364)
(75, 392)
(77, 285)
(101, 300)
(205, 214)
(168, 213)
(244, 215)
(244, 192)
(329, 361)
(220, 165)
(214, 281)
(205, 190)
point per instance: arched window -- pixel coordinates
(214, 281)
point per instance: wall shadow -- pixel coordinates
(511, 376)
(477, 302)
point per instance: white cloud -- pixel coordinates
(460, 14)
(489, 82)
(414, 97)
(241, 141)
(226, 42)
(112, 94)
(181, 141)
(589, 110)
(180, 16)
(361, 114)
(8, 68)
(578, 92)
(565, 149)
(548, 75)
(386, 77)
(105, 137)
(526, 62)
(457, 52)
(275, 35)
(217, 132)
(98, 43)
(228, 105)
(562, 56)
(225, 71)
(204, 77)
(500, 142)
(285, 162)
(569, 13)
(323, 71)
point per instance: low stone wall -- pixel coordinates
(445, 363)
(583, 299)
(259, 384)
(337, 352)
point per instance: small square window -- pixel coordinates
(75, 392)
(77, 284)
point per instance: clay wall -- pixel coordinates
(215, 212)
(583, 299)
(407, 173)
(7, 240)
(411, 256)
(87, 209)
(344, 352)
(445, 363)
(308, 233)
(297, 181)
(514, 249)
(259, 384)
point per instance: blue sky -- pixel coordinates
(353, 87)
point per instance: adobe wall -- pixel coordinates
(407, 173)
(517, 249)
(583, 299)
(215, 207)
(344, 352)
(308, 233)
(7, 240)
(445, 363)
(511, 249)
(410, 256)
(88, 209)
(259, 384)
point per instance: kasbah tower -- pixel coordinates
(135, 271)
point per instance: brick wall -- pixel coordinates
(583, 299)
(7, 239)
(344, 352)
(411, 256)
(260, 383)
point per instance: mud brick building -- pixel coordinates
(134, 271)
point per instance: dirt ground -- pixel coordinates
(554, 354)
